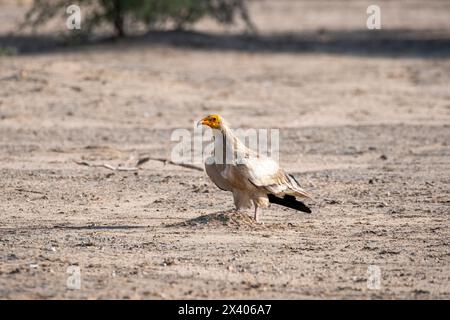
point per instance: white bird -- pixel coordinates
(251, 177)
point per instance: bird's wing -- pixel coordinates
(290, 202)
(265, 173)
(214, 171)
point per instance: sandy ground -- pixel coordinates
(364, 121)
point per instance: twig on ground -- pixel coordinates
(184, 165)
(30, 191)
(106, 165)
(142, 161)
(139, 162)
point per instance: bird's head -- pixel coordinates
(213, 120)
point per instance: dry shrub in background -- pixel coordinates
(149, 14)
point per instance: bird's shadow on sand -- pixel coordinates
(65, 228)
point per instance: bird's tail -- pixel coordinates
(297, 189)
(290, 202)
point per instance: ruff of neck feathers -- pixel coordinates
(227, 146)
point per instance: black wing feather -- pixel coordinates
(290, 202)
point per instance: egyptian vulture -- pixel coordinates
(251, 177)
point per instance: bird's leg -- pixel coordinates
(256, 213)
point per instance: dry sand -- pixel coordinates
(365, 126)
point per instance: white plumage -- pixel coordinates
(251, 177)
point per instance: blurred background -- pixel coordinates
(408, 26)
(234, 53)
(364, 125)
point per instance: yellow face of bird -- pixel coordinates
(214, 121)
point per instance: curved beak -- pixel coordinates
(204, 121)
